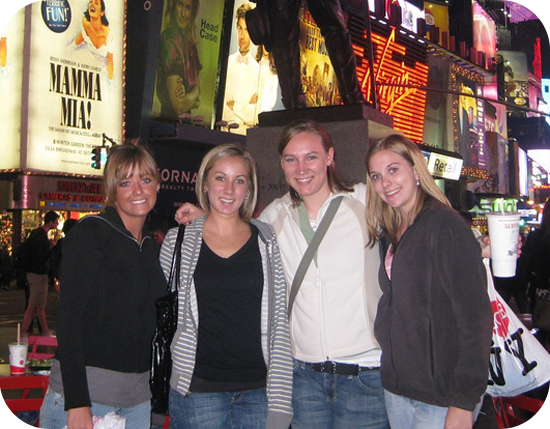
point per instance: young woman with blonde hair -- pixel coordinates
(434, 319)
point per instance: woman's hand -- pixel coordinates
(458, 418)
(79, 418)
(187, 212)
(485, 243)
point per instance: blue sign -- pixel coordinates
(56, 14)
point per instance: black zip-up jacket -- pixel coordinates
(106, 316)
(434, 320)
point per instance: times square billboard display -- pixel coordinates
(188, 59)
(73, 95)
(251, 82)
(398, 60)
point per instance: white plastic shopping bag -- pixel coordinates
(109, 421)
(518, 362)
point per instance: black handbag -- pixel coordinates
(167, 320)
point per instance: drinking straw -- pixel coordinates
(18, 332)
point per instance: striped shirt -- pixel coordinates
(275, 330)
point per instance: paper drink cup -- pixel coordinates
(18, 358)
(504, 233)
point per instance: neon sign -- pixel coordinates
(400, 77)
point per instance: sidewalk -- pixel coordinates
(12, 307)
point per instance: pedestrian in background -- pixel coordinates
(535, 258)
(57, 251)
(39, 249)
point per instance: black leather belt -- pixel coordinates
(331, 367)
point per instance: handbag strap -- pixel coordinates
(311, 249)
(174, 278)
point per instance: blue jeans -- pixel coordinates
(405, 413)
(224, 410)
(330, 401)
(54, 416)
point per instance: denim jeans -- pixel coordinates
(330, 401)
(224, 410)
(54, 416)
(405, 413)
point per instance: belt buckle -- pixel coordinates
(328, 367)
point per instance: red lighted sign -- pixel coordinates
(398, 82)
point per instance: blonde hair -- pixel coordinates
(120, 162)
(380, 215)
(221, 152)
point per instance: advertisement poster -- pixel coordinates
(251, 85)
(470, 124)
(437, 15)
(513, 77)
(11, 70)
(74, 83)
(485, 39)
(410, 11)
(318, 79)
(188, 60)
(496, 167)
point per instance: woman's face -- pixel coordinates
(136, 195)
(227, 185)
(394, 180)
(305, 162)
(183, 13)
(94, 9)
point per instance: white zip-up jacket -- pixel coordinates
(334, 311)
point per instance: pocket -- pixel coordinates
(370, 380)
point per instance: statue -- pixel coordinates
(282, 41)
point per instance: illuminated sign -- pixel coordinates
(398, 76)
(186, 79)
(408, 12)
(75, 86)
(11, 84)
(484, 34)
(61, 194)
(447, 167)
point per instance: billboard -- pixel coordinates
(470, 120)
(11, 84)
(251, 82)
(75, 82)
(186, 78)
(484, 34)
(318, 79)
(513, 77)
(409, 12)
(437, 15)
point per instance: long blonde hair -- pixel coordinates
(383, 217)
